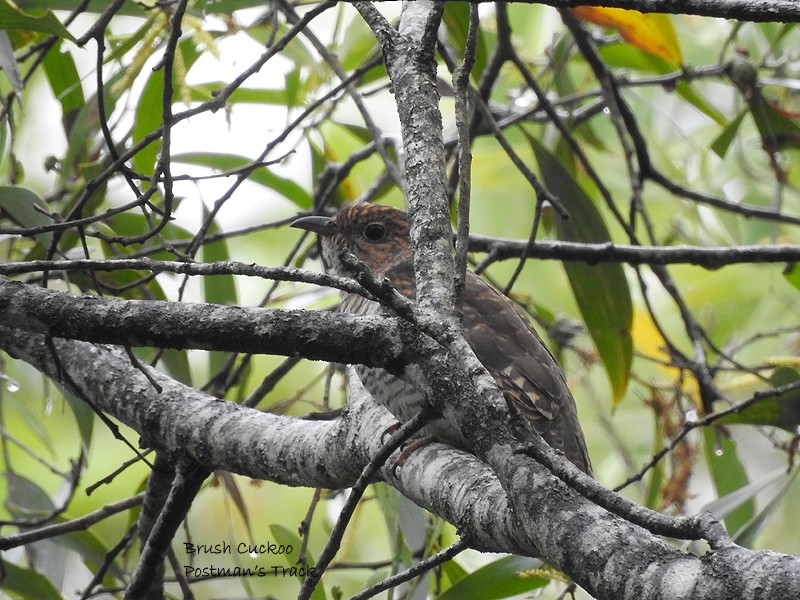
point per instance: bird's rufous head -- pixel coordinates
(376, 234)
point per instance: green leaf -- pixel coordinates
(777, 411)
(62, 75)
(12, 18)
(231, 162)
(358, 45)
(8, 63)
(91, 549)
(25, 498)
(728, 476)
(723, 141)
(655, 481)
(26, 209)
(500, 579)
(601, 290)
(217, 289)
(27, 584)
(778, 131)
(84, 417)
(456, 18)
(792, 275)
(146, 120)
(281, 535)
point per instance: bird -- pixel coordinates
(499, 333)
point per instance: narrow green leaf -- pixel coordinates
(453, 573)
(26, 498)
(358, 45)
(23, 206)
(655, 481)
(601, 291)
(725, 505)
(500, 579)
(778, 131)
(723, 141)
(92, 551)
(281, 535)
(62, 75)
(219, 289)
(456, 18)
(146, 120)
(778, 411)
(747, 535)
(231, 162)
(728, 476)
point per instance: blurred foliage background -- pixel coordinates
(100, 158)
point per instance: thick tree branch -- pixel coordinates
(314, 335)
(548, 518)
(409, 55)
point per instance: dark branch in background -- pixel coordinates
(79, 524)
(418, 569)
(461, 85)
(757, 11)
(147, 578)
(367, 476)
(709, 257)
(634, 145)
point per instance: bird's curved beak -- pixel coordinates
(318, 224)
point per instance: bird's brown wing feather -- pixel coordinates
(524, 369)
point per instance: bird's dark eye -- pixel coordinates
(375, 232)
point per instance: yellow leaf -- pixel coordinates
(652, 32)
(649, 343)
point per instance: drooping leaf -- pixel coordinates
(84, 417)
(499, 579)
(725, 138)
(358, 44)
(26, 498)
(651, 32)
(728, 476)
(601, 290)
(217, 289)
